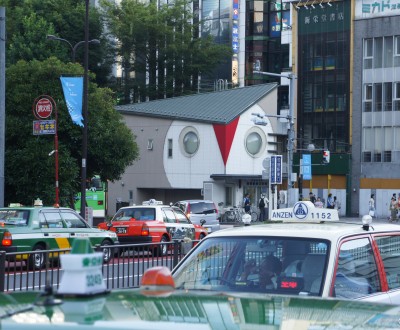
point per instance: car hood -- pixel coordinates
(136, 309)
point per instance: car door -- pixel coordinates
(53, 229)
(184, 223)
(357, 274)
(389, 251)
(176, 230)
(79, 228)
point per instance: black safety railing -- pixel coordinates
(124, 269)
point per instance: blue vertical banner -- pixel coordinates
(276, 170)
(73, 93)
(307, 175)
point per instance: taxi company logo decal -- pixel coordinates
(300, 210)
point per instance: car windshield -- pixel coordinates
(255, 264)
(14, 217)
(142, 213)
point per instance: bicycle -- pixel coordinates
(233, 214)
(254, 212)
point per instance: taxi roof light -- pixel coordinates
(157, 281)
(152, 202)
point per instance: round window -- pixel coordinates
(255, 142)
(189, 141)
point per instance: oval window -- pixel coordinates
(191, 142)
(253, 143)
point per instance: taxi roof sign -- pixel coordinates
(152, 202)
(304, 212)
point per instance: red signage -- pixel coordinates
(42, 108)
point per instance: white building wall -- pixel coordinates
(185, 172)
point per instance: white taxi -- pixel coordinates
(305, 251)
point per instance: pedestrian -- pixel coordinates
(262, 205)
(246, 203)
(337, 204)
(398, 206)
(318, 203)
(330, 202)
(312, 197)
(393, 209)
(371, 206)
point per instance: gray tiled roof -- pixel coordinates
(215, 107)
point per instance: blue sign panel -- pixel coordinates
(276, 170)
(42, 127)
(307, 175)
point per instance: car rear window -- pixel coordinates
(137, 213)
(14, 217)
(256, 264)
(202, 208)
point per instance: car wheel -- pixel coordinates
(36, 261)
(201, 236)
(162, 249)
(107, 251)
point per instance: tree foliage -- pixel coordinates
(160, 49)
(29, 170)
(28, 23)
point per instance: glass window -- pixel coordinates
(53, 219)
(256, 264)
(389, 248)
(169, 148)
(73, 220)
(378, 97)
(397, 51)
(356, 272)
(180, 216)
(378, 138)
(253, 143)
(368, 139)
(388, 95)
(169, 216)
(388, 138)
(191, 143)
(367, 103)
(388, 52)
(368, 52)
(14, 217)
(378, 49)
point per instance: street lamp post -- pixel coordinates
(85, 100)
(290, 146)
(73, 47)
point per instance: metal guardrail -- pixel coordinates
(124, 270)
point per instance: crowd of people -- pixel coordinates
(331, 202)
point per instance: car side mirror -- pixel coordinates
(202, 222)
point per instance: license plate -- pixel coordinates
(121, 230)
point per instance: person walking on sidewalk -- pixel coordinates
(393, 209)
(371, 206)
(263, 205)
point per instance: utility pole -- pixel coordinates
(290, 145)
(2, 98)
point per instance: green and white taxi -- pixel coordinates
(37, 228)
(305, 251)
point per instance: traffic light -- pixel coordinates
(326, 157)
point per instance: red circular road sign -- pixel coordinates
(43, 108)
